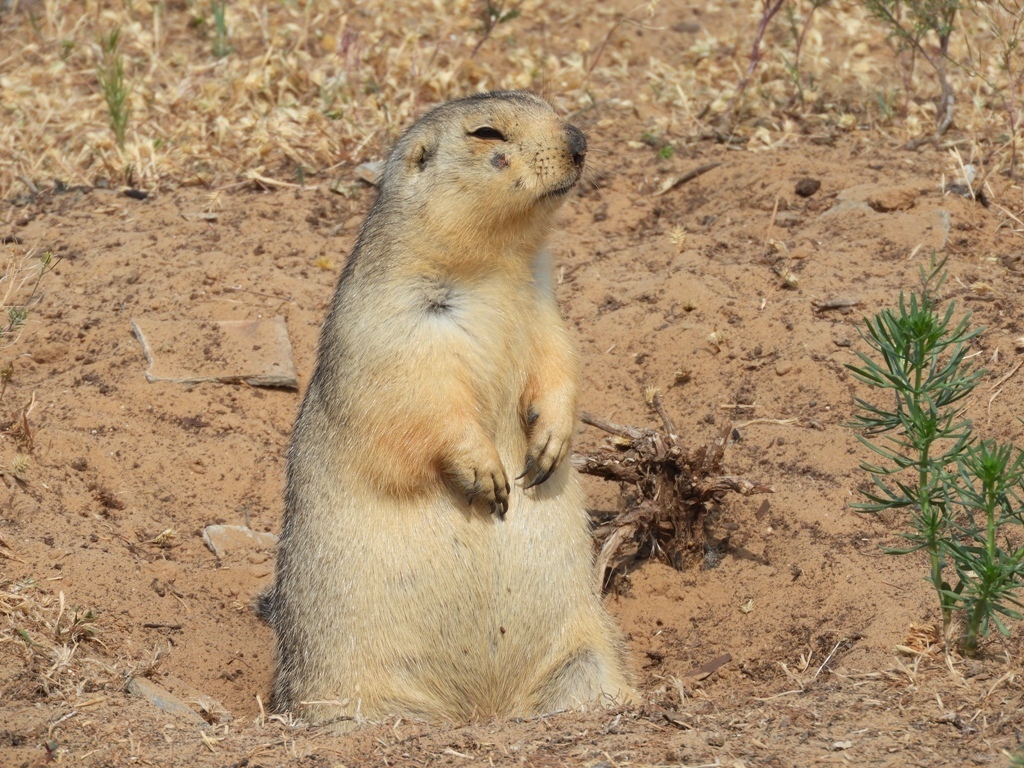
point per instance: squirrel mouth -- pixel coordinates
(559, 191)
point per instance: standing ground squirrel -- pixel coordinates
(435, 558)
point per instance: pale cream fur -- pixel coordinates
(444, 371)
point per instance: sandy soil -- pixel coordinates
(125, 474)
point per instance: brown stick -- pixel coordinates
(630, 433)
(659, 406)
(770, 9)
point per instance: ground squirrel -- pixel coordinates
(435, 558)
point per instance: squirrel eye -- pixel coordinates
(487, 133)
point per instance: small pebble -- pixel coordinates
(894, 199)
(807, 187)
(783, 367)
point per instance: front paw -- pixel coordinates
(480, 479)
(548, 446)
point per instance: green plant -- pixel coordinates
(961, 492)
(491, 15)
(908, 23)
(988, 576)
(110, 74)
(798, 30)
(220, 42)
(19, 285)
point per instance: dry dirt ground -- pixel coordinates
(710, 292)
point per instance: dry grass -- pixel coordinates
(291, 90)
(40, 642)
(19, 285)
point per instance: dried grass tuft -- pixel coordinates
(290, 91)
(41, 642)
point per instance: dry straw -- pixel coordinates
(218, 92)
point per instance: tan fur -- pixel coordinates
(444, 370)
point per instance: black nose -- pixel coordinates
(577, 144)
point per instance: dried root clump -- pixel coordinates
(668, 492)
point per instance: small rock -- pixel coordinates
(49, 353)
(846, 208)
(220, 539)
(370, 172)
(715, 740)
(894, 199)
(691, 27)
(843, 341)
(256, 352)
(165, 700)
(261, 571)
(841, 745)
(783, 367)
(807, 187)
(80, 464)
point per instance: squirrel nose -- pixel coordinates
(577, 144)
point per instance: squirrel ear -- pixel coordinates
(421, 155)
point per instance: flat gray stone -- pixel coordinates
(371, 172)
(221, 539)
(862, 224)
(846, 207)
(211, 710)
(256, 352)
(163, 699)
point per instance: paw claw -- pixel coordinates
(544, 458)
(541, 476)
(530, 464)
(480, 482)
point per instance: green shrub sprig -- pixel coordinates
(962, 493)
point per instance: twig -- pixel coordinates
(769, 10)
(492, 18)
(630, 433)
(771, 223)
(827, 304)
(712, 666)
(781, 422)
(659, 406)
(827, 658)
(988, 409)
(1015, 369)
(266, 182)
(688, 176)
